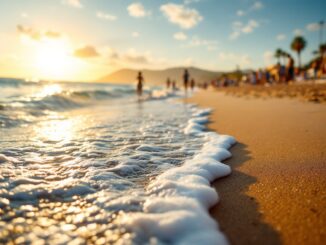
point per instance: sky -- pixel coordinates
(82, 40)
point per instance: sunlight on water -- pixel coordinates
(49, 90)
(56, 130)
(78, 164)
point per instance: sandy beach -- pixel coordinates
(309, 91)
(276, 192)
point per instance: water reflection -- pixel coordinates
(49, 90)
(56, 130)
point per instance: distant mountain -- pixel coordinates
(158, 77)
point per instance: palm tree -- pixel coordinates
(278, 54)
(321, 51)
(298, 44)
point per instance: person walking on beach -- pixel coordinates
(174, 85)
(268, 76)
(290, 69)
(314, 67)
(253, 80)
(278, 73)
(259, 76)
(140, 81)
(168, 83)
(192, 84)
(186, 79)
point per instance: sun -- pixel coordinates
(53, 59)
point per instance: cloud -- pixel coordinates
(234, 35)
(135, 34)
(105, 16)
(257, 5)
(132, 58)
(29, 32)
(178, 14)
(137, 10)
(191, 1)
(73, 3)
(252, 24)
(24, 15)
(199, 42)
(240, 28)
(240, 59)
(180, 36)
(280, 37)
(314, 27)
(86, 52)
(37, 35)
(240, 13)
(52, 34)
(298, 32)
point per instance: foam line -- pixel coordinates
(177, 210)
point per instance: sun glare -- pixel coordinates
(48, 90)
(56, 130)
(53, 59)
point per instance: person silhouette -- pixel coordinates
(174, 85)
(186, 79)
(140, 81)
(168, 83)
(290, 69)
(192, 84)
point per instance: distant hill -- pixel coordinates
(158, 77)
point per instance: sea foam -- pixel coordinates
(177, 210)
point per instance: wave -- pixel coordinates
(22, 104)
(102, 94)
(67, 99)
(15, 82)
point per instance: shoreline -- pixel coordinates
(275, 194)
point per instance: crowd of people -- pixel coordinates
(278, 74)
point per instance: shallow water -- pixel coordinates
(84, 169)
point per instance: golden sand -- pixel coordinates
(306, 91)
(276, 192)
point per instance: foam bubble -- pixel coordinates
(177, 210)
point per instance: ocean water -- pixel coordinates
(84, 163)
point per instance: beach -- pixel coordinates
(308, 91)
(275, 194)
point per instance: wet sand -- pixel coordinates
(276, 192)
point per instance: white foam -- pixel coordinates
(177, 210)
(4, 158)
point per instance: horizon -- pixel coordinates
(102, 37)
(98, 79)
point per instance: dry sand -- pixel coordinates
(308, 91)
(276, 192)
